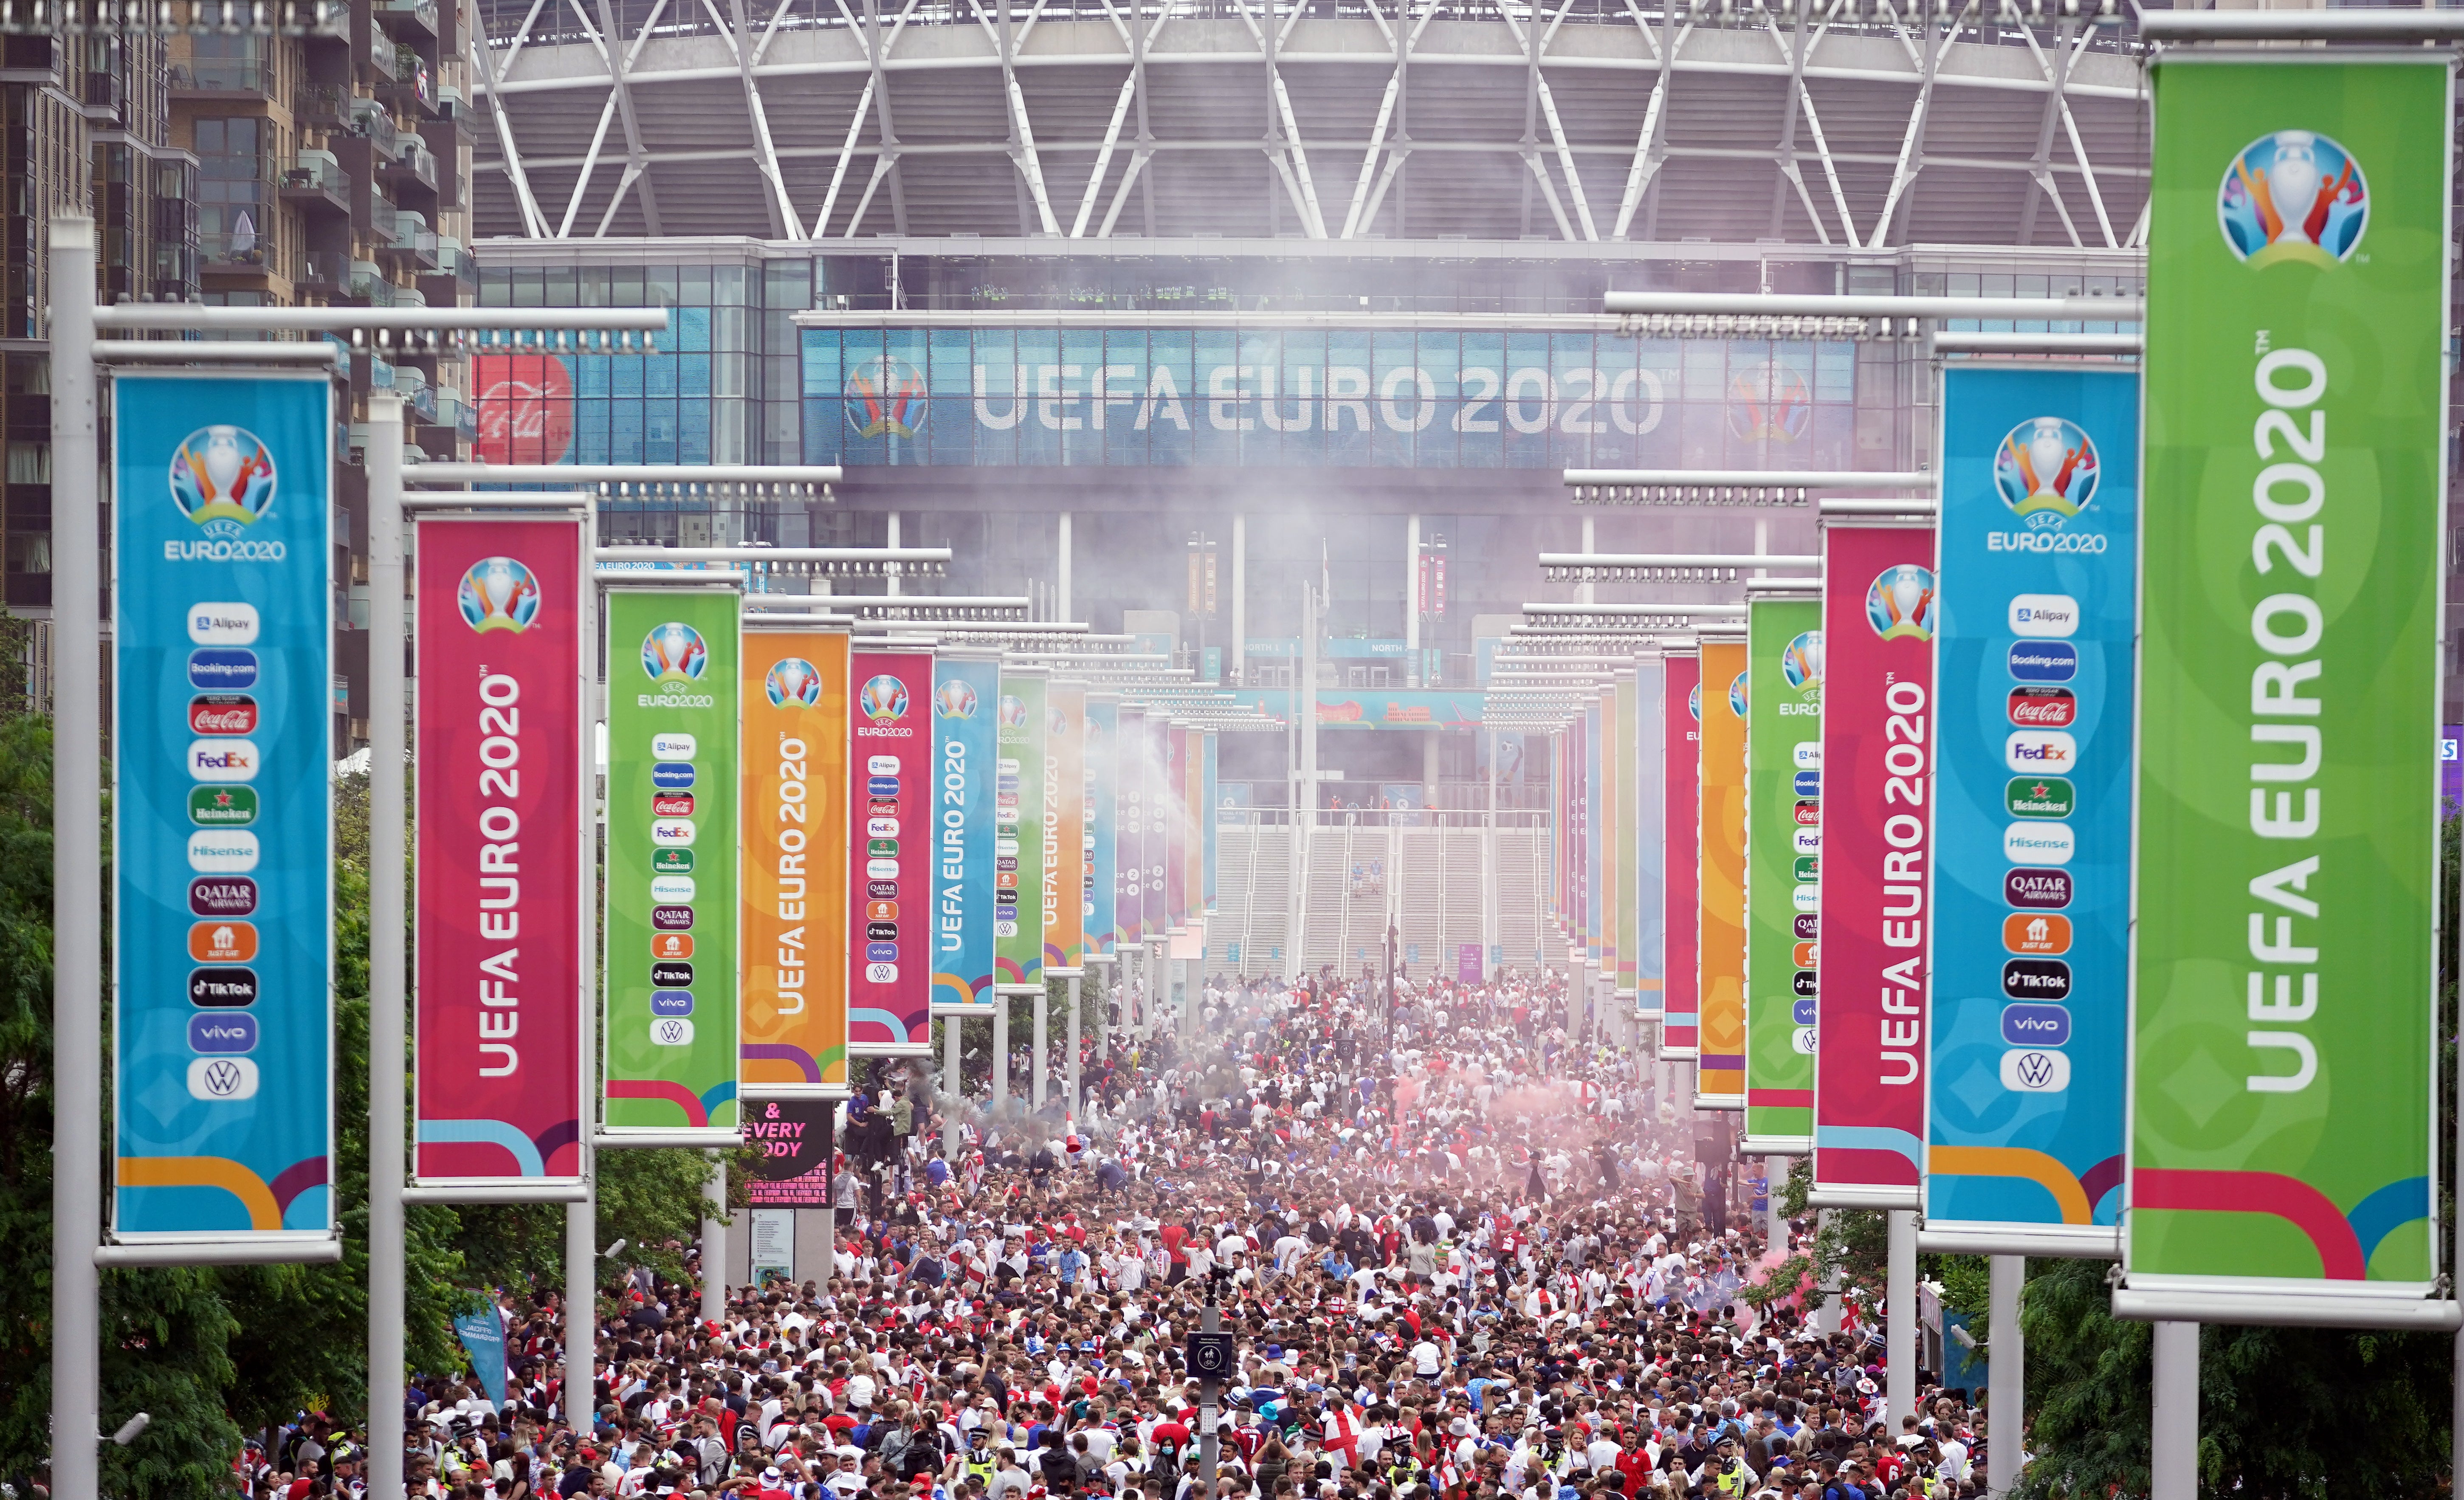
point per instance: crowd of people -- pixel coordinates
(1459, 1255)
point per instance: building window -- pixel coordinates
(234, 200)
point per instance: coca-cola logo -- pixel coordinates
(525, 408)
(222, 713)
(2043, 707)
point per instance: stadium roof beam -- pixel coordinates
(636, 176)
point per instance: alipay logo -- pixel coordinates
(2044, 615)
(223, 625)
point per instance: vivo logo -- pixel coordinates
(2035, 1026)
(666, 1002)
(222, 1033)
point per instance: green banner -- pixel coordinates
(670, 959)
(2282, 1097)
(1621, 851)
(1018, 832)
(1783, 812)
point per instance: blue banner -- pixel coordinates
(2031, 875)
(965, 691)
(1206, 821)
(1103, 817)
(222, 805)
(1649, 899)
(483, 1338)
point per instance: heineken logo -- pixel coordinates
(2041, 797)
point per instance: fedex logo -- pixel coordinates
(2039, 750)
(223, 760)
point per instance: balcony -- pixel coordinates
(105, 91)
(412, 166)
(455, 413)
(413, 90)
(368, 286)
(369, 119)
(318, 186)
(380, 54)
(325, 272)
(408, 17)
(323, 106)
(222, 80)
(414, 245)
(239, 250)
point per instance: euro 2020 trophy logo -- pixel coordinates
(222, 478)
(2046, 470)
(2294, 196)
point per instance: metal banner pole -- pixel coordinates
(387, 1028)
(2007, 1375)
(714, 1243)
(1042, 1066)
(2173, 1468)
(1899, 1315)
(953, 1031)
(582, 1311)
(76, 879)
(1072, 1071)
(1001, 1055)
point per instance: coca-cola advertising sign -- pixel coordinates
(525, 408)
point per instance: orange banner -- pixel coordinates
(795, 863)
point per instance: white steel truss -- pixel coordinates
(1758, 85)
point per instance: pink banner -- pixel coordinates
(1176, 869)
(504, 849)
(889, 898)
(1877, 712)
(1681, 750)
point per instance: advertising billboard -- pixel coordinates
(506, 848)
(670, 937)
(2282, 1159)
(222, 801)
(797, 814)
